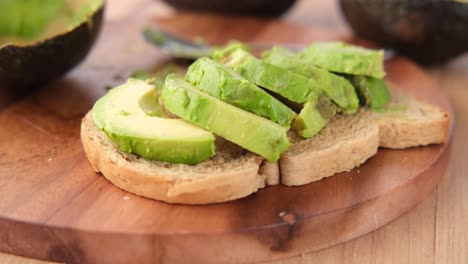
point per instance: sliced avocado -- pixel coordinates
(344, 58)
(372, 91)
(338, 89)
(221, 52)
(288, 84)
(221, 82)
(250, 131)
(131, 116)
(157, 76)
(309, 122)
(314, 116)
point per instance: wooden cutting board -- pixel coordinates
(53, 205)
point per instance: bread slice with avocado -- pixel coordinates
(176, 157)
(231, 174)
(348, 141)
(345, 143)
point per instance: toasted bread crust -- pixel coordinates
(155, 180)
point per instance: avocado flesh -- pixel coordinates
(292, 86)
(228, 86)
(24, 22)
(221, 52)
(372, 91)
(309, 122)
(344, 58)
(314, 116)
(245, 129)
(131, 116)
(288, 84)
(338, 89)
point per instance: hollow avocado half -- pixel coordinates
(265, 8)
(429, 32)
(40, 40)
(132, 117)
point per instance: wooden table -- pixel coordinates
(436, 231)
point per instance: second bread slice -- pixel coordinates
(345, 143)
(348, 141)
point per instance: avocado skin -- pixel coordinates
(265, 8)
(228, 86)
(429, 32)
(338, 89)
(25, 67)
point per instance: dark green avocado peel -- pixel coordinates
(40, 40)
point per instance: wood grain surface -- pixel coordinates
(415, 239)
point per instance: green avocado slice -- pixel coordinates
(314, 116)
(131, 116)
(344, 58)
(372, 91)
(338, 89)
(245, 129)
(228, 86)
(288, 84)
(221, 52)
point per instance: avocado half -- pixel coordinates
(40, 40)
(429, 32)
(266, 8)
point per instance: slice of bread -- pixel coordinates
(233, 173)
(348, 141)
(410, 122)
(345, 143)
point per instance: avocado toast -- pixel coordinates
(222, 108)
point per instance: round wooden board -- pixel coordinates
(53, 205)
